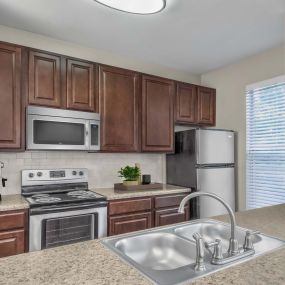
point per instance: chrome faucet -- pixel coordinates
(233, 243)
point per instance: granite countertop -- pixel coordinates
(13, 202)
(111, 194)
(90, 262)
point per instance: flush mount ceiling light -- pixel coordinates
(135, 6)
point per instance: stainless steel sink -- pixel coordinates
(158, 251)
(166, 256)
(211, 230)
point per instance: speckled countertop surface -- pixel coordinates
(111, 194)
(90, 263)
(13, 202)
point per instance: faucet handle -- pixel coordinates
(197, 236)
(248, 243)
(218, 250)
(200, 253)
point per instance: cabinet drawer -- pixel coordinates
(129, 206)
(168, 201)
(170, 216)
(12, 242)
(129, 223)
(13, 220)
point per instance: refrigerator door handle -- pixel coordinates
(197, 144)
(220, 165)
(198, 181)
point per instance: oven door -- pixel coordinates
(59, 228)
(67, 230)
(47, 132)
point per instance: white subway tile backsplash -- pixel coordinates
(39, 154)
(103, 167)
(23, 155)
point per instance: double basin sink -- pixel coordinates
(167, 256)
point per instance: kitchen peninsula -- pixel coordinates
(91, 263)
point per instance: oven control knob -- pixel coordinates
(81, 173)
(31, 175)
(39, 174)
(74, 172)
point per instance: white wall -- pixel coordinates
(230, 82)
(102, 167)
(66, 48)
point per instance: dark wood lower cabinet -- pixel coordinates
(13, 232)
(129, 223)
(170, 216)
(12, 242)
(135, 214)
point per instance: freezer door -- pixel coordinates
(219, 181)
(214, 147)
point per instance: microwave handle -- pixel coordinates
(92, 147)
(87, 135)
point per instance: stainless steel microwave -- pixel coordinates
(58, 129)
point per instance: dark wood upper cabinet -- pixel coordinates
(157, 114)
(119, 91)
(137, 111)
(80, 85)
(186, 101)
(44, 79)
(206, 113)
(10, 97)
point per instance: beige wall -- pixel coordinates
(62, 47)
(230, 82)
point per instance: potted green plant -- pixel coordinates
(130, 174)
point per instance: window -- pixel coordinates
(265, 143)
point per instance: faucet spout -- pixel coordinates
(233, 243)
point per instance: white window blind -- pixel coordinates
(265, 112)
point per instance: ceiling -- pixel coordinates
(191, 35)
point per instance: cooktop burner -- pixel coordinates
(47, 199)
(36, 196)
(82, 194)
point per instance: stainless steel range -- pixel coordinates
(62, 208)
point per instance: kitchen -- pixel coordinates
(119, 105)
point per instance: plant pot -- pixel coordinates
(130, 183)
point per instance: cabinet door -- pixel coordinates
(10, 96)
(12, 242)
(80, 85)
(119, 107)
(157, 114)
(170, 216)
(44, 79)
(186, 98)
(129, 223)
(206, 106)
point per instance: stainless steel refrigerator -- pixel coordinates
(204, 160)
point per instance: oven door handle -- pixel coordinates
(69, 207)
